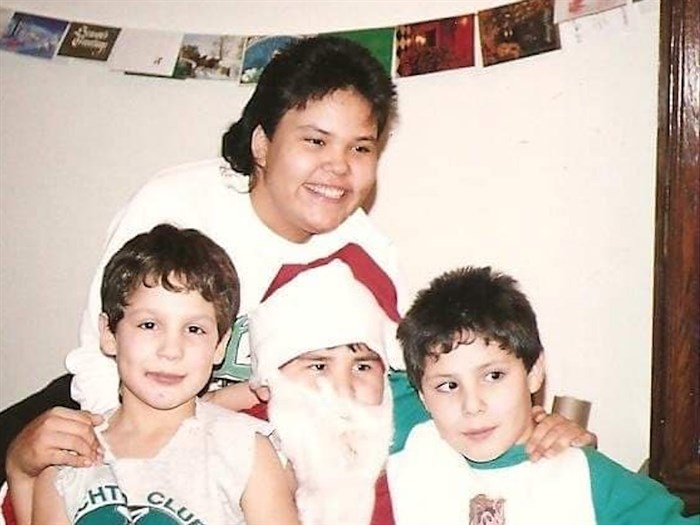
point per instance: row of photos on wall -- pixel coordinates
(505, 33)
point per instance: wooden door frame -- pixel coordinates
(675, 408)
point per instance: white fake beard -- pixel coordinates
(337, 448)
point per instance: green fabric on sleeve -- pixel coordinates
(621, 497)
(408, 408)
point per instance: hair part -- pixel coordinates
(308, 69)
(179, 260)
(461, 306)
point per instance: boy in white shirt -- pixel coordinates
(169, 298)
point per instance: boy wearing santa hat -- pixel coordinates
(320, 342)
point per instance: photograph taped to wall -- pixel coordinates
(5, 17)
(88, 41)
(517, 30)
(37, 36)
(259, 50)
(146, 52)
(380, 42)
(567, 9)
(435, 45)
(213, 57)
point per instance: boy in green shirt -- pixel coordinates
(472, 349)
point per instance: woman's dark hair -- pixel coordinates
(179, 260)
(308, 69)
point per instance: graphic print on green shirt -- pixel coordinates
(108, 505)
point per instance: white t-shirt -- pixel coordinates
(212, 198)
(198, 477)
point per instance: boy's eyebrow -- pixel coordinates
(369, 355)
(314, 356)
(504, 359)
(137, 311)
(437, 376)
(494, 362)
(202, 317)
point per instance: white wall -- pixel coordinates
(543, 168)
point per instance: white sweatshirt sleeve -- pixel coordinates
(95, 382)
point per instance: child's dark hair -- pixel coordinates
(179, 260)
(461, 306)
(308, 69)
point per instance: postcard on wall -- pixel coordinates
(5, 17)
(435, 45)
(88, 41)
(609, 23)
(569, 9)
(259, 50)
(380, 42)
(519, 30)
(146, 52)
(213, 57)
(33, 35)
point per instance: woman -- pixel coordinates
(306, 148)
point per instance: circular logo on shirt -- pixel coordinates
(122, 515)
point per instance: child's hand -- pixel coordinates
(554, 433)
(59, 436)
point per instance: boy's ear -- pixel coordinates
(422, 400)
(220, 351)
(535, 377)
(108, 342)
(258, 146)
